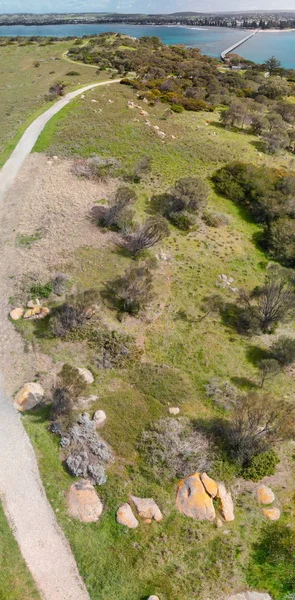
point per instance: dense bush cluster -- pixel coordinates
(268, 195)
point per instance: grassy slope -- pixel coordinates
(177, 558)
(15, 580)
(24, 86)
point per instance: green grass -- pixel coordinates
(177, 558)
(16, 582)
(24, 86)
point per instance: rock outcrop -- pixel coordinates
(99, 418)
(126, 517)
(273, 514)
(83, 502)
(87, 375)
(227, 505)
(38, 312)
(265, 495)
(147, 508)
(153, 597)
(29, 396)
(16, 313)
(193, 501)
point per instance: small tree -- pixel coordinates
(269, 368)
(150, 233)
(272, 64)
(267, 305)
(189, 194)
(283, 350)
(133, 291)
(258, 422)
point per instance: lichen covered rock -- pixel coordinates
(126, 517)
(147, 508)
(273, 514)
(265, 495)
(29, 396)
(16, 313)
(227, 505)
(209, 484)
(193, 500)
(83, 502)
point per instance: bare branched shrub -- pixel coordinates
(118, 213)
(267, 305)
(70, 385)
(148, 235)
(258, 422)
(143, 167)
(174, 448)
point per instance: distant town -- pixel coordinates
(250, 20)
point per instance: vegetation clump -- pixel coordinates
(283, 350)
(118, 214)
(133, 291)
(261, 309)
(175, 448)
(153, 231)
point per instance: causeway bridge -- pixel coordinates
(225, 52)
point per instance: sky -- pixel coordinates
(142, 6)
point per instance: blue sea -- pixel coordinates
(211, 41)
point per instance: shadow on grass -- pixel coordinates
(255, 354)
(258, 146)
(245, 384)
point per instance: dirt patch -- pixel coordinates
(46, 198)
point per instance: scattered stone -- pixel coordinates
(174, 410)
(161, 134)
(87, 402)
(126, 517)
(55, 157)
(153, 597)
(265, 495)
(16, 313)
(29, 396)
(38, 312)
(156, 128)
(227, 505)
(93, 100)
(111, 101)
(147, 508)
(192, 499)
(173, 137)
(144, 113)
(209, 484)
(219, 523)
(87, 375)
(273, 514)
(90, 311)
(99, 418)
(83, 502)
(33, 303)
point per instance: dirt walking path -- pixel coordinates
(41, 541)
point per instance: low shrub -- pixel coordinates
(174, 448)
(72, 73)
(215, 219)
(262, 465)
(39, 290)
(177, 108)
(283, 350)
(223, 393)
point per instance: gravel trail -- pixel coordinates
(41, 541)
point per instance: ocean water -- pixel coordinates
(211, 41)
